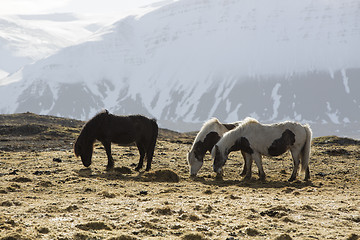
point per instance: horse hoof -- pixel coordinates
(109, 168)
(219, 177)
(137, 169)
(246, 178)
(147, 169)
(291, 179)
(193, 177)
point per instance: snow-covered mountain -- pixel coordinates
(28, 38)
(193, 59)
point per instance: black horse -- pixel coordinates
(123, 130)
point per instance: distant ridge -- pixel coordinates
(192, 60)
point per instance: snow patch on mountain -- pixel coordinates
(345, 80)
(276, 98)
(25, 39)
(191, 60)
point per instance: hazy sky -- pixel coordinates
(86, 7)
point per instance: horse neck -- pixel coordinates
(87, 135)
(229, 139)
(212, 126)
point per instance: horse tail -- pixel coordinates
(155, 131)
(76, 147)
(306, 150)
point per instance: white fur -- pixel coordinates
(230, 137)
(194, 165)
(212, 125)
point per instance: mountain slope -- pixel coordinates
(28, 38)
(191, 60)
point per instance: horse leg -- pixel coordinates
(107, 146)
(142, 156)
(149, 157)
(243, 173)
(307, 169)
(296, 159)
(307, 174)
(258, 160)
(151, 146)
(248, 163)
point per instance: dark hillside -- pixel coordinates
(29, 131)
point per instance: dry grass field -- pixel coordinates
(46, 192)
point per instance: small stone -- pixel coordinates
(283, 237)
(43, 230)
(252, 232)
(57, 160)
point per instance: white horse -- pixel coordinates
(207, 137)
(257, 139)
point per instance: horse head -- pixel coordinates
(84, 151)
(196, 157)
(219, 159)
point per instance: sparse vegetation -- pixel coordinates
(46, 192)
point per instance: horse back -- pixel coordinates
(276, 139)
(210, 134)
(124, 130)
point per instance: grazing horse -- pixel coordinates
(257, 139)
(123, 130)
(207, 137)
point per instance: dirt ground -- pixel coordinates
(46, 192)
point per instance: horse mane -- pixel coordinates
(231, 136)
(206, 128)
(249, 120)
(85, 134)
(210, 122)
(96, 120)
